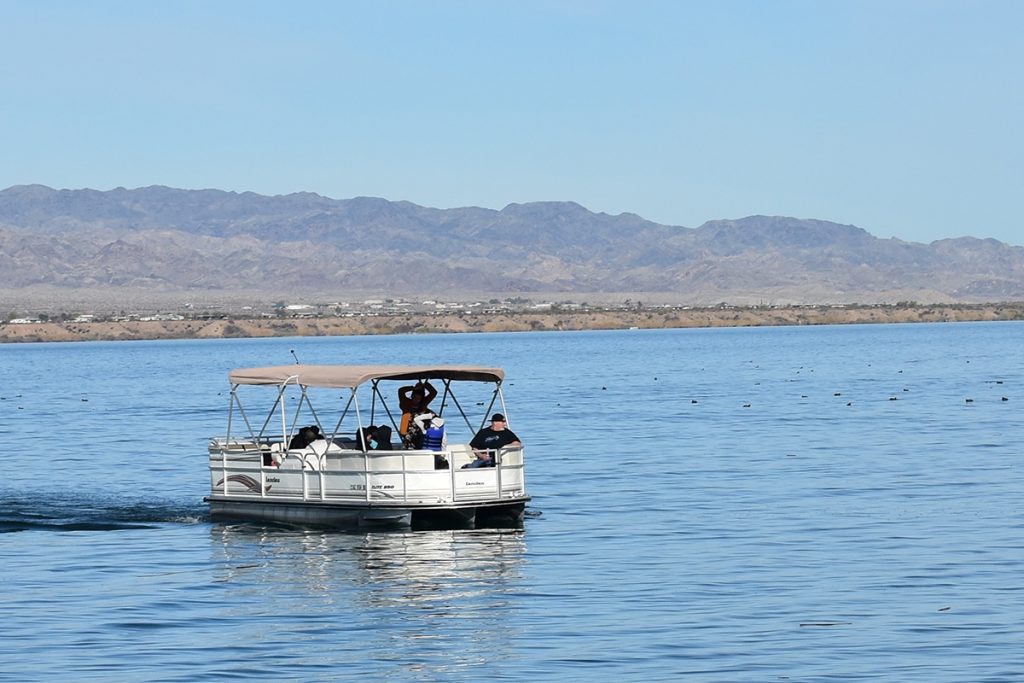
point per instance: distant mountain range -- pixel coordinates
(170, 240)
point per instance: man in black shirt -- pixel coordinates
(490, 439)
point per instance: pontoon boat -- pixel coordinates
(270, 469)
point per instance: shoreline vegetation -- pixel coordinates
(230, 326)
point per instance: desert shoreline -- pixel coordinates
(422, 323)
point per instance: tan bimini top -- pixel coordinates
(351, 376)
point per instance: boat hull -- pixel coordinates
(507, 514)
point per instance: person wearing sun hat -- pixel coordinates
(413, 400)
(490, 439)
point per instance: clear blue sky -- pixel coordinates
(903, 117)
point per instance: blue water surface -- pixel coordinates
(834, 503)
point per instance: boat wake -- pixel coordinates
(24, 512)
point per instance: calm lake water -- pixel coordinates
(758, 504)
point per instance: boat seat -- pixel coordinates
(277, 453)
(300, 460)
(459, 454)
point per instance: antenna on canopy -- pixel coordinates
(292, 351)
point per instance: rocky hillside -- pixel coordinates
(168, 240)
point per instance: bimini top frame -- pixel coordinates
(351, 377)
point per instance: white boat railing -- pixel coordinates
(338, 474)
